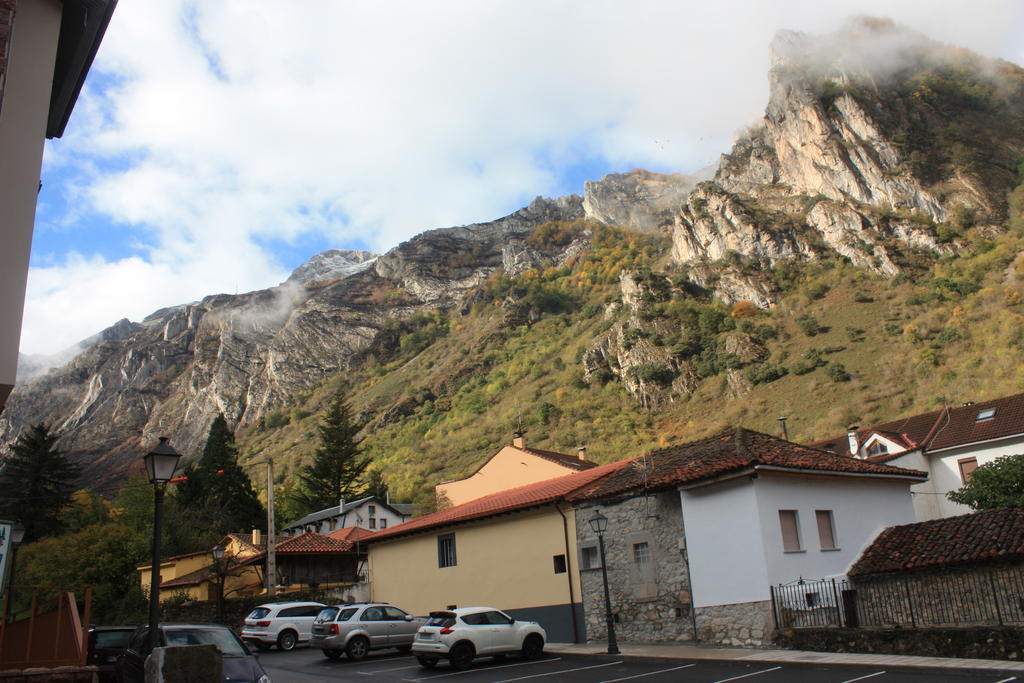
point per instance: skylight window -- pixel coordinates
(985, 415)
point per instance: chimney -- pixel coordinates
(581, 453)
(518, 441)
(341, 506)
(256, 537)
(782, 428)
(851, 435)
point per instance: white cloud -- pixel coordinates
(233, 121)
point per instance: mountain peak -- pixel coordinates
(332, 264)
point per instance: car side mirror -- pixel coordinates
(408, 617)
(511, 621)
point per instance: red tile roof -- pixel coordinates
(351, 533)
(944, 428)
(730, 451)
(991, 535)
(530, 495)
(310, 542)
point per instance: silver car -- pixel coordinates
(355, 629)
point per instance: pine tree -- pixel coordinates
(376, 485)
(36, 483)
(337, 465)
(218, 492)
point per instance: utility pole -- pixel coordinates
(271, 558)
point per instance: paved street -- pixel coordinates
(305, 665)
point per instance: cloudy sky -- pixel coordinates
(219, 144)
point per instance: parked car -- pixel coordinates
(463, 634)
(105, 644)
(284, 624)
(240, 664)
(355, 629)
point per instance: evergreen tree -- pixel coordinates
(36, 483)
(376, 485)
(337, 465)
(218, 494)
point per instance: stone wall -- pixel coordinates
(972, 643)
(739, 624)
(650, 600)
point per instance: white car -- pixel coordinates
(465, 633)
(284, 624)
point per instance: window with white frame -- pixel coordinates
(589, 559)
(789, 522)
(641, 553)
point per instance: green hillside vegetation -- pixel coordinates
(841, 347)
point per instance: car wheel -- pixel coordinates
(334, 655)
(533, 647)
(357, 648)
(427, 662)
(461, 656)
(286, 641)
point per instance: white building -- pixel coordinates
(948, 444)
(46, 49)
(368, 513)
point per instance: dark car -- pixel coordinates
(240, 665)
(105, 644)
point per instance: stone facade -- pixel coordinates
(648, 578)
(740, 624)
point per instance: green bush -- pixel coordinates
(862, 298)
(802, 367)
(655, 373)
(837, 372)
(275, 419)
(808, 324)
(764, 373)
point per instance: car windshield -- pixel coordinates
(335, 614)
(442, 619)
(258, 613)
(222, 638)
(112, 639)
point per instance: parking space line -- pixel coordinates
(380, 671)
(490, 668)
(861, 678)
(559, 673)
(753, 673)
(649, 673)
(1007, 680)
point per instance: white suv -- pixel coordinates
(284, 624)
(469, 632)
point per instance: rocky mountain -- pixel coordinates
(878, 148)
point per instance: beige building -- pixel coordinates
(514, 465)
(46, 48)
(514, 550)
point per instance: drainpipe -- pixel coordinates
(568, 573)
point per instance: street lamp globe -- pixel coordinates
(218, 552)
(598, 522)
(161, 462)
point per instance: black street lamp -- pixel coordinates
(599, 523)
(160, 465)
(218, 567)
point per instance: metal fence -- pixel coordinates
(973, 597)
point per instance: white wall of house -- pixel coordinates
(26, 102)
(943, 468)
(724, 544)
(369, 515)
(734, 537)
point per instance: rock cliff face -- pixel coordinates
(875, 143)
(245, 355)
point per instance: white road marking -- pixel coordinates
(755, 673)
(559, 673)
(649, 673)
(861, 678)
(490, 668)
(1007, 680)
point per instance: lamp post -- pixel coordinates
(160, 465)
(599, 523)
(218, 557)
(17, 536)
